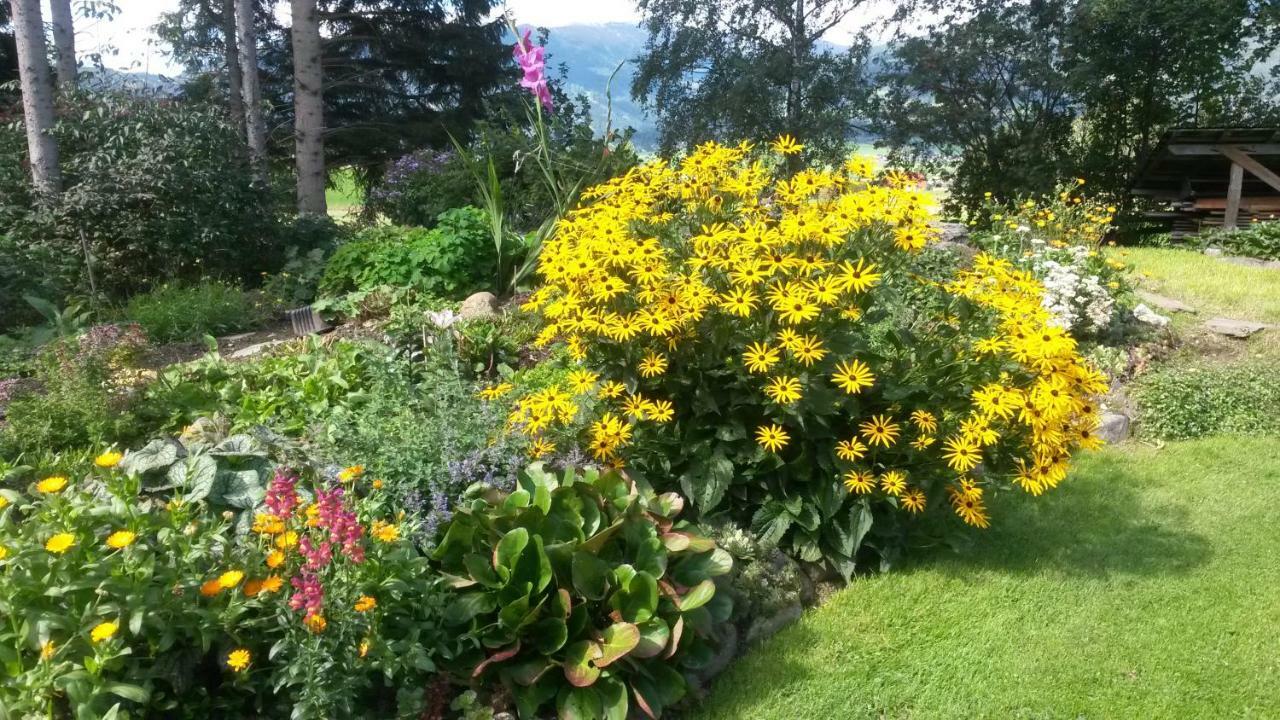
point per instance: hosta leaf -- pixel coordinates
(578, 667)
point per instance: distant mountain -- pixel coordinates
(590, 54)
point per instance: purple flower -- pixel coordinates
(532, 61)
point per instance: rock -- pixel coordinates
(1234, 328)
(1144, 314)
(725, 653)
(1213, 251)
(1248, 261)
(1167, 304)
(952, 232)
(764, 628)
(255, 349)
(480, 306)
(1114, 428)
(235, 338)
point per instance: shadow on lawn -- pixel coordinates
(1096, 524)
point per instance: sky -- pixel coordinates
(136, 49)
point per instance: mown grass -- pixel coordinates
(1213, 286)
(1145, 587)
(343, 196)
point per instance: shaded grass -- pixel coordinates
(343, 196)
(1146, 586)
(1213, 286)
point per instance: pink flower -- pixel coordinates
(532, 60)
(282, 495)
(344, 529)
(308, 594)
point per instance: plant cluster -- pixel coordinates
(1257, 240)
(1179, 402)
(766, 345)
(176, 311)
(582, 590)
(450, 260)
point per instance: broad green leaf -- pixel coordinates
(618, 640)
(549, 634)
(654, 635)
(480, 570)
(578, 703)
(509, 548)
(613, 698)
(578, 667)
(196, 474)
(698, 596)
(242, 489)
(590, 575)
(467, 606)
(154, 455)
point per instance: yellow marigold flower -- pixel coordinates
(759, 357)
(853, 376)
(289, 539)
(786, 145)
(783, 390)
(351, 474)
(384, 531)
(316, 623)
(238, 659)
(365, 604)
(47, 650)
(50, 485)
(230, 579)
(272, 583)
(880, 430)
(653, 364)
(772, 437)
(275, 559)
(108, 459)
(209, 588)
(859, 481)
(251, 588)
(268, 524)
(104, 631)
(377, 484)
(121, 539)
(60, 543)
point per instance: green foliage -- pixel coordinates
(1178, 402)
(1259, 240)
(762, 67)
(583, 591)
(176, 311)
(764, 581)
(452, 259)
(28, 270)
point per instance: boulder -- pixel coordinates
(254, 350)
(1144, 314)
(952, 232)
(480, 306)
(1114, 428)
(1240, 329)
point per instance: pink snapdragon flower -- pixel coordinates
(282, 494)
(334, 515)
(532, 60)
(308, 594)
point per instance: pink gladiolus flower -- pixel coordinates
(532, 61)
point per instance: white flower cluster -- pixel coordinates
(1077, 299)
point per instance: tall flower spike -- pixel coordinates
(532, 61)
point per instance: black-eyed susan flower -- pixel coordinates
(783, 389)
(772, 437)
(853, 376)
(880, 430)
(859, 481)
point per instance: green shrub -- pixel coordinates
(187, 312)
(450, 260)
(1260, 240)
(30, 269)
(1178, 402)
(581, 590)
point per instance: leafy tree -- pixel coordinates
(733, 69)
(8, 48)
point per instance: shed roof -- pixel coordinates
(1185, 164)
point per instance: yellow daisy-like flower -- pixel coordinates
(238, 660)
(4, 552)
(612, 389)
(384, 531)
(47, 650)
(316, 623)
(104, 631)
(962, 454)
(924, 442)
(660, 411)
(50, 485)
(583, 381)
(272, 583)
(772, 437)
(230, 579)
(783, 390)
(60, 543)
(289, 539)
(893, 482)
(859, 481)
(541, 448)
(851, 449)
(853, 376)
(251, 588)
(493, 392)
(880, 430)
(365, 603)
(121, 539)
(925, 420)
(4, 502)
(209, 588)
(759, 357)
(275, 559)
(653, 364)
(914, 500)
(786, 145)
(108, 459)
(351, 474)
(809, 350)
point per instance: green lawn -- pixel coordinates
(343, 197)
(1148, 586)
(1211, 285)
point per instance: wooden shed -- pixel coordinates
(1212, 177)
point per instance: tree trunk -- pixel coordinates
(37, 96)
(64, 42)
(251, 90)
(231, 51)
(308, 111)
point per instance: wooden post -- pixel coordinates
(1233, 197)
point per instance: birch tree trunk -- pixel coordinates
(64, 42)
(308, 110)
(231, 51)
(37, 96)
(251, 90)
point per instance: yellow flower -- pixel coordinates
(893, 482)
(660, 411)
(365, 604)
(60, 543)
(493, 392)
(925, 421)
(251, 588)
(316, 623)
(783, 389)
(52, 484)
(541, 448)
(851, 449)
(880, 430)
(275, 559)
(914, 501)
(104, 631)
(108, 459)
(859, 481)
(786, 145)
(289, 539)
(583, 381)
(351, 474)
(809, 350)
(384, 532)
(962, 454)
(121, 539)
(4, 552)
(230, 579)
(772, 437)
(47, 650)
(238, 659)
(4, 502)
(653, 364)
(853, 376)
(759, 357)
(209, 588)
(612, 389)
